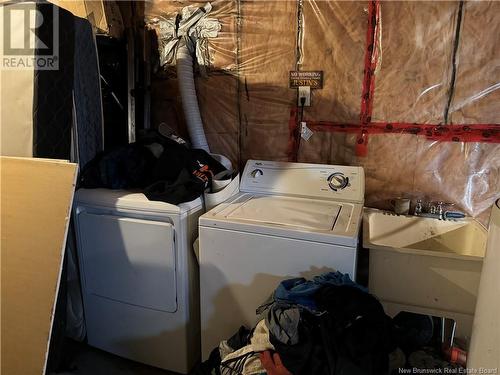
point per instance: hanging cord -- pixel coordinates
(298, 135)
(302, 104)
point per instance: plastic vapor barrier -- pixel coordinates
(410, 91)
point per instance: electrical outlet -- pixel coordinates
(305, 92)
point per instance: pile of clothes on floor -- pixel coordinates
(422, 343)
(327, 325)
(330, 326)
(163, 168)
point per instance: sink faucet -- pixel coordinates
(434, 209)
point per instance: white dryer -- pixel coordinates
(288, 220)
(139, 276)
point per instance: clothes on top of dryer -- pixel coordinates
(162, 168)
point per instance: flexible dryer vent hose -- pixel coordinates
(190, 106)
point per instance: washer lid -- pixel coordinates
(289, 211)
(290, 217)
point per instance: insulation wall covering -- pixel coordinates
(437, 64)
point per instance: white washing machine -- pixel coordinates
(140, 279)
(288, 220)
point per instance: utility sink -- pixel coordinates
(425, 265)
(446, 238)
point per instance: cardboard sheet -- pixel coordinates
(36, 198)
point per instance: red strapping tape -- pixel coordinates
(371, 60)
(487, 133)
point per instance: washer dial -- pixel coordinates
(256, 173)
(337, 181)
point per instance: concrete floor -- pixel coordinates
(81, 359)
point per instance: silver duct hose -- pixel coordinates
(190, 106)
(180, 40)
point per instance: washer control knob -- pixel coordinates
(256, 173)
(337, 181)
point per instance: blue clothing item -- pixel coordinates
(300, 291)
(337, 279)
(294, 296)
(297, 291)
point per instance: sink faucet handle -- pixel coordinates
(440, 206)
(432, 208)
(418, 207)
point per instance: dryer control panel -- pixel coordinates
(336, 182)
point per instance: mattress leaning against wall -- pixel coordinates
(36, 118)
(56, 114)
(88, 116)
(53, 113)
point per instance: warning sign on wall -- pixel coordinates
(313, 79)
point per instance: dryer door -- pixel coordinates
(128, 260)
